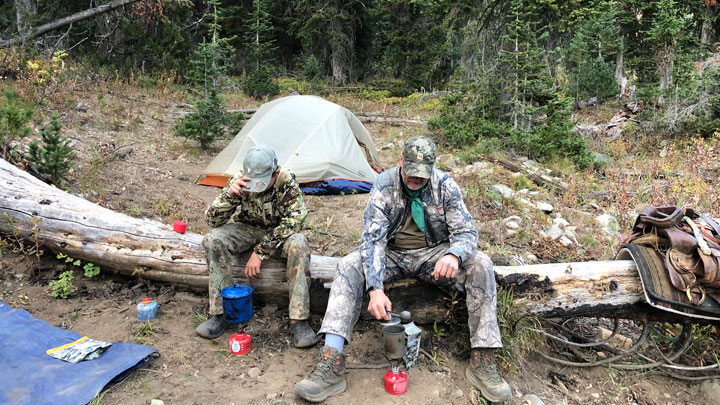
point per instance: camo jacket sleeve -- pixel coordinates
(220, 211)
(292, 210)
(463, 235)
(376, 224)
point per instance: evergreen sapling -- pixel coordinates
(13, 121)
(55, 157)
(205, 123)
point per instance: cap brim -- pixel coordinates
(418, 170)
(258, 184)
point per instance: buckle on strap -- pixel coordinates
(692, 298)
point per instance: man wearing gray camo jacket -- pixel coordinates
(416, 225)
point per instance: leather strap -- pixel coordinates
(681, 274)
(679, 239)
(710, 222)
(695, 215)
(709, 276)
(662, 217)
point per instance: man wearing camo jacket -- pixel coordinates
(416, 225)
(267, 208)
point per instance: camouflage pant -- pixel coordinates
(475, 277)
(229, 240)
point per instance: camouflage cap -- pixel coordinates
(418, 157)
(259, 165)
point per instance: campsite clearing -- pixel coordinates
(137, 168)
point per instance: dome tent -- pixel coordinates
(321, 142)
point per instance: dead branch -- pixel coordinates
(53, 25)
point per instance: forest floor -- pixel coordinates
(129, 161)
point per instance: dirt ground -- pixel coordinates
(129, 161)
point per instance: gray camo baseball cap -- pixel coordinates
(259, 165)
(418, 156)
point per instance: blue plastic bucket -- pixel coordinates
(237, 303)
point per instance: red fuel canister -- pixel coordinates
(396, 382)
(240, 343)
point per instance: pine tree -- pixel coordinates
(510, 99)
(14, 121)
(592, 52)
(260, 46)
(330, 30)
(259, 42)
(528, 84)
(209, 64)
(416, 40)
(55, 157)
(205, 124)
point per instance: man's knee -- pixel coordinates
(213, 240)
(349, 268)
(478, 263)
(297, 245)
(351, 263)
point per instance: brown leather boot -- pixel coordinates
(327, 379)
(483, 374)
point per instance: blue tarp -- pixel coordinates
(336, 187)
(29, 376)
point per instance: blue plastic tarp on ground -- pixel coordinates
(29, 376)
(336, 187)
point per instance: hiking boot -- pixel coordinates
(213, 327)
(327, 379)
(483, 374)
(303, 335)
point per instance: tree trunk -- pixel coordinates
(361, 115)
(23, 10)
(620, 68)
(665, 58)
(64, 21)
(706, 26)
(340, 42)
(143, 248)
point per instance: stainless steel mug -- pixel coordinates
(394, 341)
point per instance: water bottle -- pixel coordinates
(147, 310)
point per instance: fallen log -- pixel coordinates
(375, 117)
(538, 178)
(362, 116)
(148, 249)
